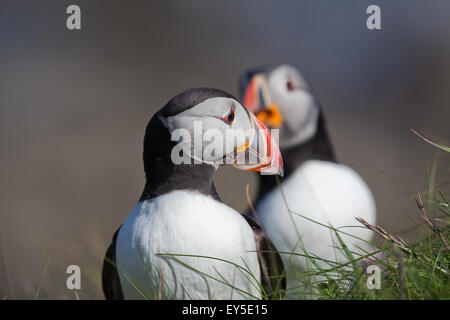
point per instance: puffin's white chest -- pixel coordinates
(158, 232)
(327, 193)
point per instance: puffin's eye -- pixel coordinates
(289, 85)
(229, 118)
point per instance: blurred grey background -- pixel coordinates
(74, 106)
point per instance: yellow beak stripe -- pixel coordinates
(270, 116)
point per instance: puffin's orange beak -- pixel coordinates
(261, 152)
(270, 116)
(257, 100)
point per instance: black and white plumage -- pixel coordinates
(161, 250)
(315, 185)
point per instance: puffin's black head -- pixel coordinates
(189, 99)
(206, 128)
(281, 98)
(247, 76)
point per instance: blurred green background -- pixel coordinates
(74, 106)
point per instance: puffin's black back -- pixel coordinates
(110, 278)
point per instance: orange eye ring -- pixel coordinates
(229, 118)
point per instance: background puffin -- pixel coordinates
(314, 184)
(180, 214)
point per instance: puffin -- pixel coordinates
(181, 241)
(317, 194)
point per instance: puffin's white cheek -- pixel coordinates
(300, 122)
(234, 138)
(301, 107)
(213, 145)
(238, 133)
(217, 143)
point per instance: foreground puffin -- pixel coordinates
(314, 184)
(181, 241)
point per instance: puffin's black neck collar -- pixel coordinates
(317, 148)
(162, 175)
